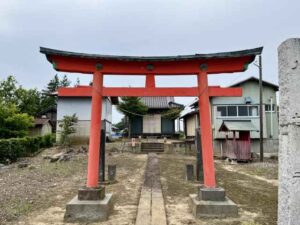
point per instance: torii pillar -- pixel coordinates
(206, 131)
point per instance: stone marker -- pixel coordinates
(289, 132)
(189, 176)
(112, 171)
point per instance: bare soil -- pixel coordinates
(257, 200)
(37, 195)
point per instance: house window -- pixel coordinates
(237, 111)
(222, 110)
(253, 110)
(232, 110)
(243, 110)
(270, 108)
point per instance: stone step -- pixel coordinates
(152, 147)
(152, 150)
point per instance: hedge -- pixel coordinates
(14, 148)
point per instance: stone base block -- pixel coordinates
(211, 194)
(91, 194)
(89, 211)
(212, 209)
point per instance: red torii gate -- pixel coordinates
(198, 64)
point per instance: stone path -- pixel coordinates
(151, 209)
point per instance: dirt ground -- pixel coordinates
(36, 195)
(256, 198)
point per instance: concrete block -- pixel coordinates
(89, 211)
(85, 193)
(211, 194)
(212, 209)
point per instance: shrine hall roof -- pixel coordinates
(219, 55)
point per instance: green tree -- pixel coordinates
(121, 125)
(132, 107)
(67, 128)
(27, 101)
(12, 122)
(64, 82)
(172, 113)
(48, 99)
(8, 89)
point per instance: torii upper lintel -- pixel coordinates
(225, 62)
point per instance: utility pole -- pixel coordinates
(261, 128)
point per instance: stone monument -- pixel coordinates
(289, 137)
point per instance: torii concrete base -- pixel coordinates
(212, 203)
(90, 205)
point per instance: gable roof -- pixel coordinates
(160, 102)
(41, 121)
(252, 78)
(238, 125)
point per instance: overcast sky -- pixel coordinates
(141, 27)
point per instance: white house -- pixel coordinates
(78, 100)
(41, 126)
(241, 110)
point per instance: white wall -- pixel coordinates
(67, 106)
(82, 108)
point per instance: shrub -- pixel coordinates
(14, 148)
(67, 128)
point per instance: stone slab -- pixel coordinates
(89, 211)
(158, 211)
(212, 209)
(144, 209)
(151, 209)
(211, 194)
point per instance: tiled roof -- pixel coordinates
(158, 102)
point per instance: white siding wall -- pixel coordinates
(152, 123)
(82, 108)
(191, 125)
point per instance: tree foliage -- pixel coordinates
(12, 122)
(121, 125)
(8, 89)
(29, 101)
(67, 128)
(26, 100)
(172, 113)
(48, 99)
(131, 107)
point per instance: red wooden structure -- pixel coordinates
(238, 148)
(200, 64)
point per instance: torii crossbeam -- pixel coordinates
(200, 64)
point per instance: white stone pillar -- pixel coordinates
(289, 137)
